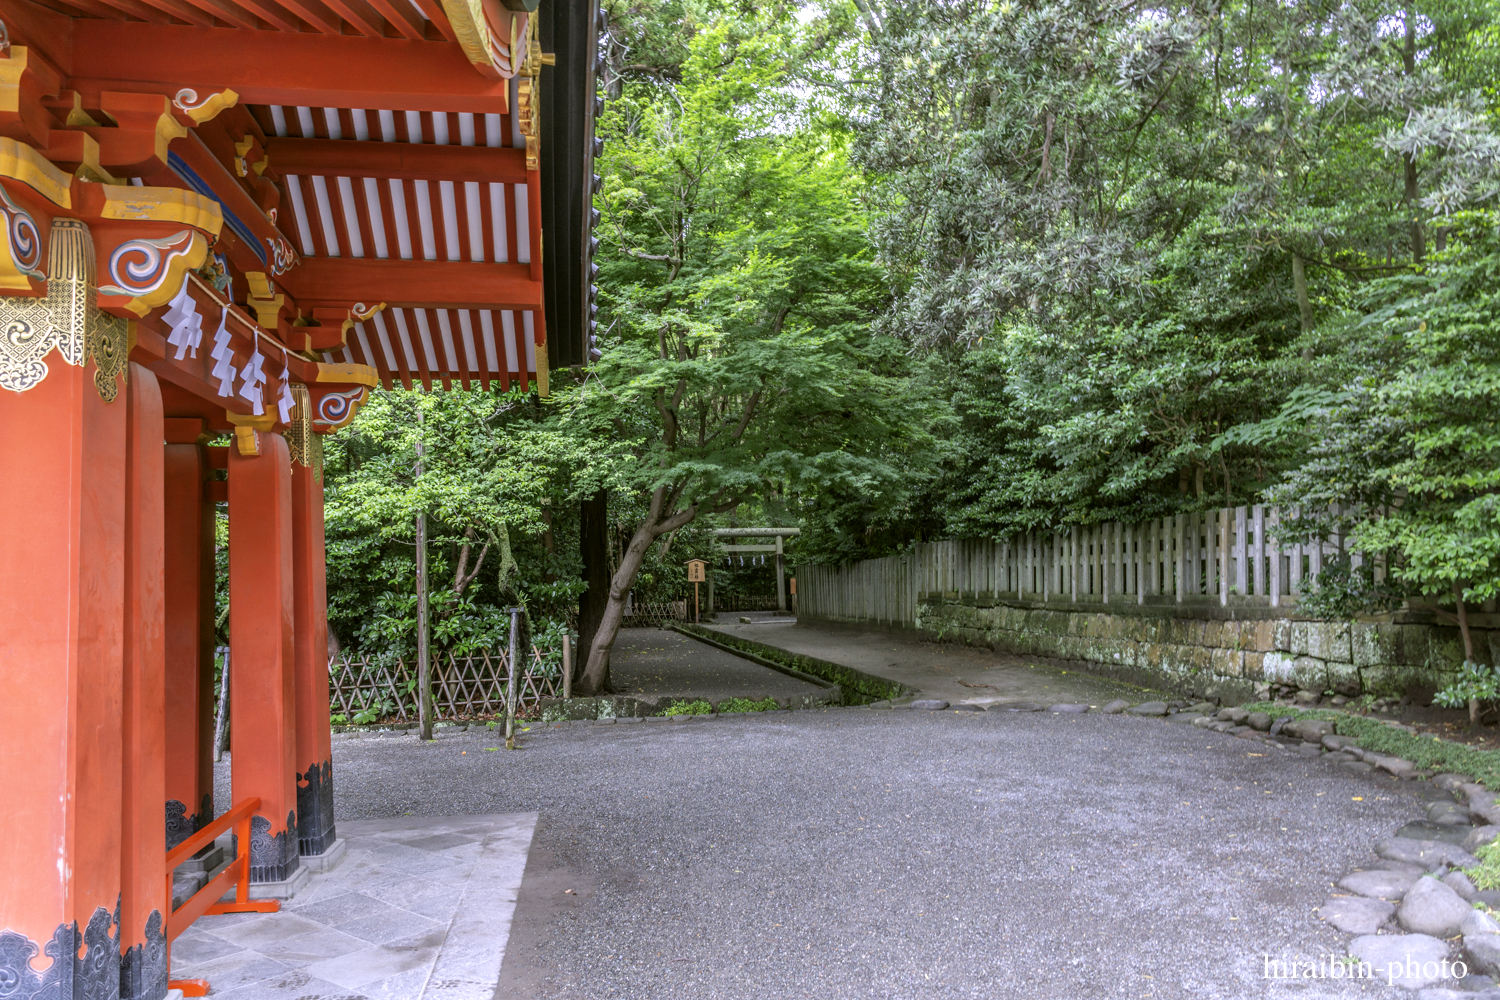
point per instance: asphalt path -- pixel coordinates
(946, 670)
(902, 854)
(653, 662)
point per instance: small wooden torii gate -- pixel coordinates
(780, 534)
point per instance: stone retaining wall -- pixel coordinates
(1215, 651)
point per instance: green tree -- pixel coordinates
(1134, 237)
(491, 471)
(738, 288)
(1408, 466)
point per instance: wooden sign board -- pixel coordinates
(697, 571)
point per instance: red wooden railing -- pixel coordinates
(205, 900)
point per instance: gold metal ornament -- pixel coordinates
(108, 341)
(299, 432)
(67, 319)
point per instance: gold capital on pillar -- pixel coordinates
(247, 430)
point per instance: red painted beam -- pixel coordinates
(403, 160)
(274, 67)
(235, 198)
(430, 284)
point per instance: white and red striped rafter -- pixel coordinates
(401, 215)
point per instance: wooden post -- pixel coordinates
(1294, 563)
(1138, 535)
(1179, 556)
(1073, 561)
(1241, 553)
(1273, 550)
(316, 833)
(1258, 550)
(1106, 567)
(263, 705)
(188, 581)
(221, 723)
(1225, 554)
(567, 667)
(510, 681)
(144, 902)
(62, 449)
(424, 648)
(780, 578)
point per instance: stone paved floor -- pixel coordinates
(419, 910)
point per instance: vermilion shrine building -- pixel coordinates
(233, 218)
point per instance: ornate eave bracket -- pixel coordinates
(32, 190)
(67, 319)
(147, 239)
(338, 393)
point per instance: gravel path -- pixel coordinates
(650, 662)
(901, 854)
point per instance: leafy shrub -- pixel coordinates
(1487, 875)
(699, 707)
(1476, 682)
(746, 705)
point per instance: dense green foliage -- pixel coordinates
(907, 269)
(492, 473)
(1411, 452)
(1139, 238)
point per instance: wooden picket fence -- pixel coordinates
(1220, 556)
(745, 602)
(463, 687)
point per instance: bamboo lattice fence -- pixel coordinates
(1220, 556)
(644, 614)
(462, 686)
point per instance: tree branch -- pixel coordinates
(750, 405)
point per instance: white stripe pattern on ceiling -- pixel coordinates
(358, 217)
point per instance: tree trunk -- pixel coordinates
(1304, 304)
(1418, 234)
(593, 544)
(595, 677)
(1468, 637)
(548, 546)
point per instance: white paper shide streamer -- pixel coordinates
(187, 325)
(253, 380)
(284, 403)
(224, 369)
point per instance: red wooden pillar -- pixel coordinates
(62, 591)
(189, 546)
(315, 781)
(143, 896)
(262, 701)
